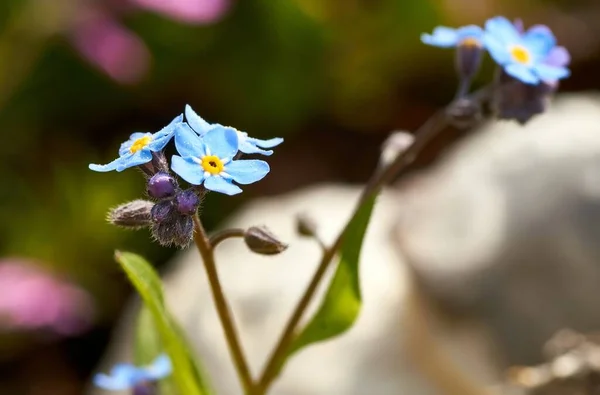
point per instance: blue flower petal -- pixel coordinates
(539, 42)
(221, 141)
(522, 73)
(122, 377)
(551, 73)
(472, 31)
(558, 57)
(139, 158)
(248, 148)
(219, 184)
(160, 368)
(187, 142)
(108, 167)
(187, 169)
(497, 49)
(196, 122)
(503, 30)
(274, 142)
(442, 36)
(161, 138)
(247, 171)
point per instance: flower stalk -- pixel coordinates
(233, 342)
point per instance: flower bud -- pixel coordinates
(516, 100)
(187, 202)
(468, 57)
(464, 112)
(262, 241)
(176, 230)
(162, 211)
(135, 214)
(306, 226)
(162, 185)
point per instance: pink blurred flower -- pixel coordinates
(188, 11)
(109, 46)
(33, 299)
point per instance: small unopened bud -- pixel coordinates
(187, 202)
(516, 100)
(464, 112)
(135, 214)
(161, 185)
(394, 145)
(161, 211)
(468, 57)
(176, 230)
(262, 241)
(306, 226)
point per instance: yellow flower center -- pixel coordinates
(520, 54)
(140, 143)
(470, 42)
(212, 164)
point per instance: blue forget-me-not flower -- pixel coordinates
(447, 37)
(126, 376)
(531, 57)
(139, 148)
(246, 144)
(208, 160)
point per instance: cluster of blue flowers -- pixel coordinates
(207, 153)
(531, 56)
(208, 160)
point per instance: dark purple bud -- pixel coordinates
(516, 100)
(468, 57)
(464, 112)
(145, 388)
(135, 214)
(162, 185)
(184, 231)
(162, 212)
(176, 230)
(187, 202)
(262, 241)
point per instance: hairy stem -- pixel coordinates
(223, 310)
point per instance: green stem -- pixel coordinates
(223, 310)
(382, 176)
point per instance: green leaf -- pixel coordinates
(188, 379)
(148, 346)
(342, 301)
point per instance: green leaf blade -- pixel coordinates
(186, 375)
(342, 301)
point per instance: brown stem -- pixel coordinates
(223, 310)
(225, 234)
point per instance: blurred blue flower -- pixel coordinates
(126, 376)
(529, 57)
(246, 144)
(209, 160)
(139, 148)
(447, 37)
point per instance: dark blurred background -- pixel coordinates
(78, 76)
